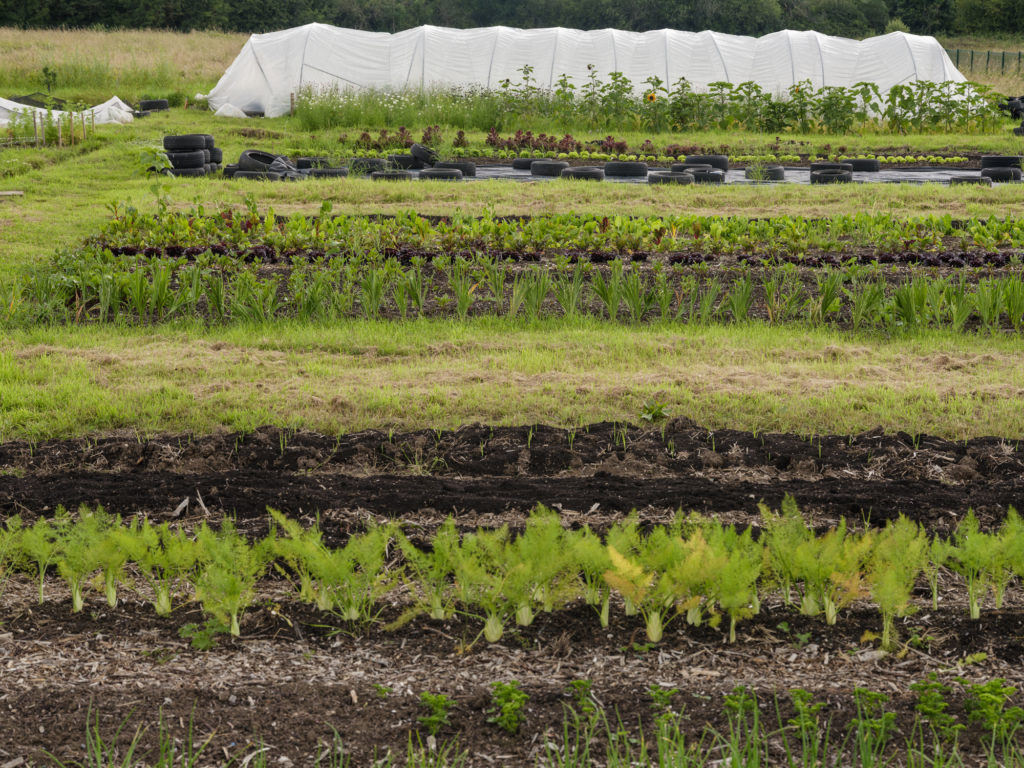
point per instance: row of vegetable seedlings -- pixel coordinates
(234, 230)
(99, 287)
(697, 570)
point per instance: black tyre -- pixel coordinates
(258, 175)
(200, 171)
(441, 174)
(831, 176)
(206, 156)
(824, 166)
(209, 141)
(1000, 161)
(1019, 130)
(721, 162)
(708, 177)
(625, 168)
(864, 164)
(208, 167)
(404, 162)
(669, 177)
(766, 173)
(216, 155)
(424, 154)
(186, 143)
(982, 181)
(684, 167)
(195, 158)
(255, 160)
(468, 168)
(391, 175)
(305, 163)
(583, 172)
(152, 105)
(548, 167)
(522, 163)
(364, 166)
(328, 173)
(1001, 173)
(230, 169)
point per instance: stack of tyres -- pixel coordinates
(193, 154)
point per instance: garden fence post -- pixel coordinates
(291, 100)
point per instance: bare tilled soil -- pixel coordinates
(486, 476)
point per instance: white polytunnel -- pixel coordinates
(272, 67)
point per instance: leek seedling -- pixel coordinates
(164, 557)
(226, 581)
(899, 556)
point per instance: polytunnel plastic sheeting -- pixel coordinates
(271, 67)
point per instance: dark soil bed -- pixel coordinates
(487, 476)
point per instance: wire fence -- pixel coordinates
(989, 62)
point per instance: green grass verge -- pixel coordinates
(60, 382)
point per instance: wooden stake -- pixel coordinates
(291, 98)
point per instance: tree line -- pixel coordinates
(849, 18)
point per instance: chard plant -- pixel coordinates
(225, 582)
(165, 558)
(898, 557)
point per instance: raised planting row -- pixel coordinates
(489, 476)
(685, 239)
(94, 285)
(695, 570)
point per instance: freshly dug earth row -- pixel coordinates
(292, 677)
(488, 476)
